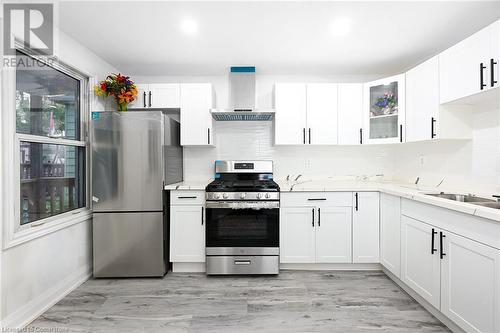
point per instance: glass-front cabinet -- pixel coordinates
(384, 110)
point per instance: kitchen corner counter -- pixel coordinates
(188, 185)
(408, 191)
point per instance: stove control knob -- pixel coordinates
(259, 195)
(216, 195)
(268, 195)
(225, 196)
(242, 195)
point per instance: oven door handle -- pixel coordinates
(242, 205)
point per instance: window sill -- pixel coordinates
(41, 228)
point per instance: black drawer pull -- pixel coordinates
(187, 197)
(316, 199)
(441, 251)
(432, 241)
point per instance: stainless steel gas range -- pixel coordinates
(242, 219)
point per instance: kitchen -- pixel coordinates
(291, 176)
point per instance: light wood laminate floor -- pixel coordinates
(294, 301)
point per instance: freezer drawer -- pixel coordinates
(128, 244)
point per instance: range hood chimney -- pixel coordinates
(242, 98)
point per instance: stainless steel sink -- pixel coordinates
(495, 205)
(461, 197)
(468, 198)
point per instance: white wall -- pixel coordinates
(472, 165)
(37, 273)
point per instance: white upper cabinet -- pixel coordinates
(390, 233)
(157, 96)
(305, 114)
(290, 119)
(422, 101)
(365, 227)
(495, 55)
(350, 111)
(164, 95)
(322, 114)
(465, 67)
(196, 120)
(384, 110)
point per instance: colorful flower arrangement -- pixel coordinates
(120, 87)
(386, 104)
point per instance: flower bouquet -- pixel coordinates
(120, 87)
(385, 105)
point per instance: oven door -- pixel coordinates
(240, 224)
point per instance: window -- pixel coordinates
(52, 150)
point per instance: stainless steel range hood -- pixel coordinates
(242, 98)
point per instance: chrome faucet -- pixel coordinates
(287, 177)
(417, 180)
(297, 178)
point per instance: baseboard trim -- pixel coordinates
(332, 267)
(33, 309)
(188, 267)
(435, 312)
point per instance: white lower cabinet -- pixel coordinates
(390, 233)
(297, 243)
(333, 235)
(457, 275)
(317, 232)
(187, 230)
(420, 269)
(470, 284)
(365, 227)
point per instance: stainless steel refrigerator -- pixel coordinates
(134, 154)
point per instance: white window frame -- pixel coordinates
(14, 232)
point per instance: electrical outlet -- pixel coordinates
(423, 160)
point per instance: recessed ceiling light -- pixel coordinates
(340, 27)
(189, 27)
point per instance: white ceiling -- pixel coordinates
(147, 38)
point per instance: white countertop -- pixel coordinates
(404, 190)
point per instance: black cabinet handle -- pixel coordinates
(360, 136)
(316, 199)
(150, 98)
(441, 253)
(313, 217)
(356, 197)
(208, 131)
(304, 134)
(309, 135)
(492, 74)
(434, 232)
(144, 99)
(193, 197)
(401, 133)
(319, 217)
(433, 121)
(482, 67)
(202, 215)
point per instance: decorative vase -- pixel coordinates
(122, 106)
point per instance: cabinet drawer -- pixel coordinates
(316, 198)
(187, 197)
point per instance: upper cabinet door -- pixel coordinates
(350, 111)
(422, 101)
(384, 110)
(141, 101)
(196, 120)
(322, 114)
(464, 67)
(290, 118)
(164, 95)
